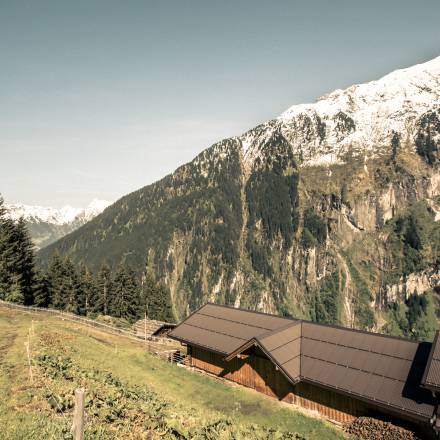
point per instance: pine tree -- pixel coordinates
(6, 254)
(15, 292)
(70, 285)
(422, 321)
(25, 262)
(395, 145)
(86, 290)
(55, 277)
(155, 300)
(41, 290)
(104, 291)
(64, 281)
(91, 292)
(16, 260)
(125, 302)
(3, 210)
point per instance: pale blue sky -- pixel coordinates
(99, 98)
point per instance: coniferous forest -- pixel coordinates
(120, 293)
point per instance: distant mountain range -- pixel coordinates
(47, 225)
(329, 211)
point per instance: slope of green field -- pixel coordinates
(130, 394)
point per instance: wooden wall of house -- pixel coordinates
(259, 373)
(331, 405)
(255, 372)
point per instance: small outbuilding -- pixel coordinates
(152, 328)
(340, 373)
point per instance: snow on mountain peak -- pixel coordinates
(362, 118)
(98, 205)
(62, 216)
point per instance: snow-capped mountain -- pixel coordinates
(361, 119)
(328, 211)
(47, 224)
(62, 216)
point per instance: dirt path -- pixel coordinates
(7, 338)
(7, 341)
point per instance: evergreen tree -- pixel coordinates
(16, 260)
(41, 290)
(25, 262)
(155, 300)
(86, 290)
(104, 291)
(422, 322)
(15, 292)
(64, 281)
(125, 303)
(395, 145)
(6, 254)
(55, 279)
(70, 286)
(3, 210)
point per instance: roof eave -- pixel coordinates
(195, 344)
(239, 350)
(424, 382)
(255, 342)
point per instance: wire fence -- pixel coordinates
(72, 317)
(163, 347)
(86, 321)
(29, 345)
(178, 356)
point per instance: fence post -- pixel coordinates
(145, 330)
(28, 350)
(70, 317)
(78, 415)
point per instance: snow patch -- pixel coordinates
(361, 119)
(324, 160)
(63, 216)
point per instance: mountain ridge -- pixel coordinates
(316, 215)
(356, 116)
(61, 216)
(47, 224)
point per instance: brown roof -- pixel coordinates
(431, 377)
(375, 368)
(151, 327)
(223, 329)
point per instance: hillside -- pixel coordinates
(327, 212)
(130, 394)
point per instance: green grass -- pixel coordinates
(199, 406)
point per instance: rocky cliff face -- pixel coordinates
(328, 212)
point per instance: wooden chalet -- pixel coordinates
(340, 373)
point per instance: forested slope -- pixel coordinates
(328, 212)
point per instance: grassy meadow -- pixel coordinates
(130, 394)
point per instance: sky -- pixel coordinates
(100, 98)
